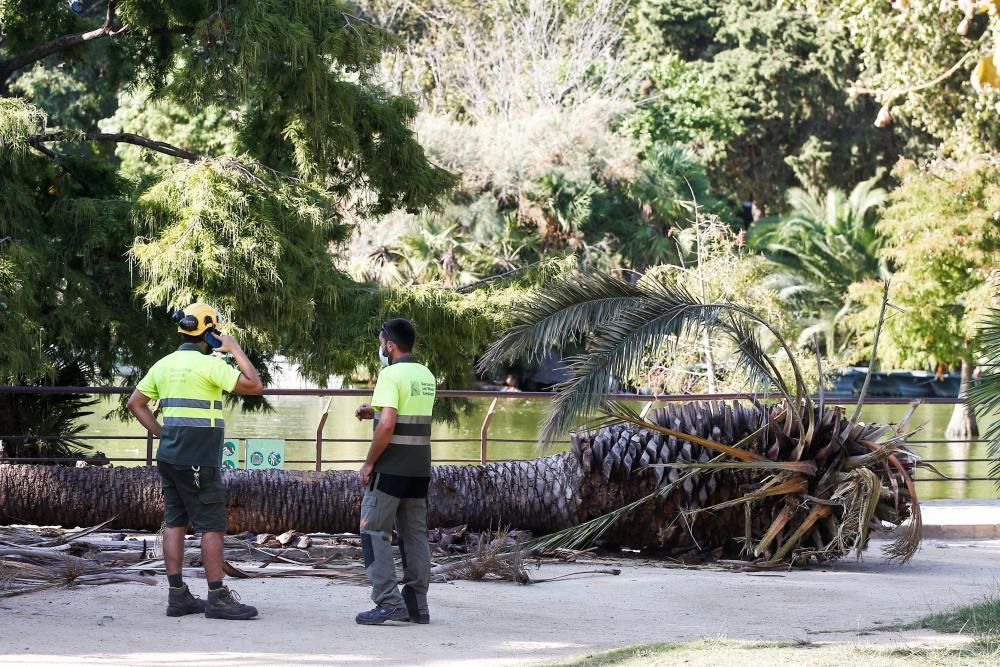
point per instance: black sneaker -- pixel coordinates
(224, 603)
(413, 609)
(380, 615)
(181, 602)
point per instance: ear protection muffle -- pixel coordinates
(188, 322)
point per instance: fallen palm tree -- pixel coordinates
(788, 482)
(690, 500)
(778, 482)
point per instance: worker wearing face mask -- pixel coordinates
(396, 475)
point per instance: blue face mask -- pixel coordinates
(382, 356)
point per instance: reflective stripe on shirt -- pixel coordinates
(409, 429)
(200, 422)
(189, 403)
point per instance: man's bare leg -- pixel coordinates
(211, 554)
(173, 549)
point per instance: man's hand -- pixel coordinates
(229, 344)
(249, 383)
(365, 473)
(365, 411)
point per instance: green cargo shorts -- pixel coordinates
(193, 495)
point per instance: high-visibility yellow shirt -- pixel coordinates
(189, 386)
(409, 387)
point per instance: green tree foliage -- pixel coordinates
(942, 231)
(283, 137)
(551, 183)
(822, 246)
(921, 60)
(758, 89)
(35, 419)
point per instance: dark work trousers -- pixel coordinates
(379, 512)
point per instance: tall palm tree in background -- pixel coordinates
(823, 245)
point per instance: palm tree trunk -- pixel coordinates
(963, 423)
(539, 495)
(670, 478)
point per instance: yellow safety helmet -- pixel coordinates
(196, 319)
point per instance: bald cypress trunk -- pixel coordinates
(963, 423)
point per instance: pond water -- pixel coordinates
(514, 419)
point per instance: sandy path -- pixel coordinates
(308, 621)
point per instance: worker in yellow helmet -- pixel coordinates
(188, 384)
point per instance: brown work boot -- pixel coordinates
(181, 602)
(224, 603)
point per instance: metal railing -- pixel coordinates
(320, 440)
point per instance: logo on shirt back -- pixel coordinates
(418, 388)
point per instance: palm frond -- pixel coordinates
(903, 548)
(618, 349)
(985, 397)
(624, 325)
(565, 309)
(752, 359)
(859, 495)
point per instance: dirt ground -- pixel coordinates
(311, 621)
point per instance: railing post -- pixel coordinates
(484, 434)
(319, 434)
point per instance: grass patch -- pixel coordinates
(977, 619)
(724, 653)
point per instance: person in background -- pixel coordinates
(188, 384)
(396, 476)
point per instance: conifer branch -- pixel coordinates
(11, 65)
(60, 162)
(38, 142)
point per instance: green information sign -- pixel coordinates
(265, 453)
(231, 454)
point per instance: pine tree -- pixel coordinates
(268, 134)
